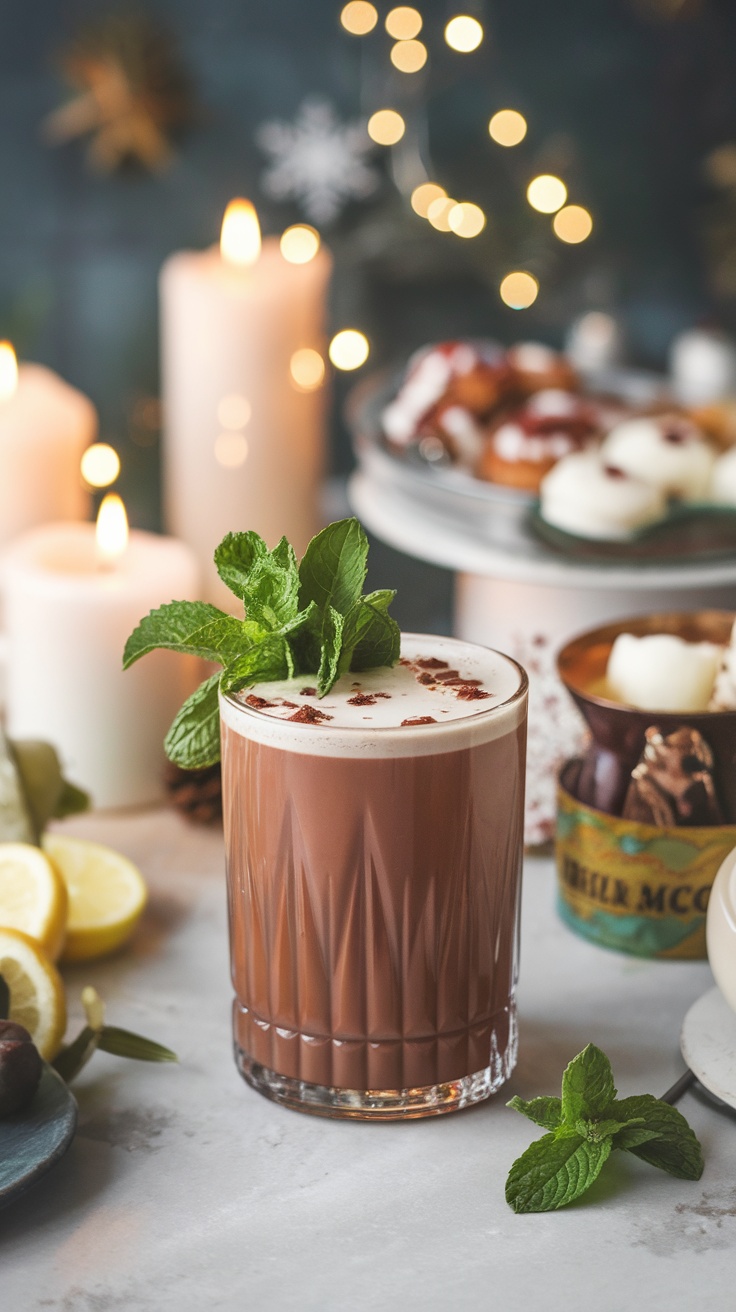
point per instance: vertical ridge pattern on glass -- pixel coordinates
(373, 909)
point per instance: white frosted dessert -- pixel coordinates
(443, 696)
(723, 479)
(583, 495)
(661, 672)
(723, 696)
(667, 451)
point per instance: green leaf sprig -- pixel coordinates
(306, 618)
(585, 1126)
(108, 1038)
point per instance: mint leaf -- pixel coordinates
(270, 659)
(333, 568)
(236, 558)
(671, 1144)
(303, 619)
(228, 637)
(554, 1171)
(379, 640)
(546, 1112)
(594, 1130)
(332, 630)
(193, 741)
(587, 1086)
(174, 627)
(266, 581)
(123, 1043)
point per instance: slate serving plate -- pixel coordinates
(34, 1139)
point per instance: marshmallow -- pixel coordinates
(583, 495)
(661, 672)
(667, 451)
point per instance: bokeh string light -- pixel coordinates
(546, 193)
(100, 465)
(358, 17)
(466, 219)
(439, 211)
(300, 243)
(423, 196)
(404, 23)
(463, 34)
(409, 56)
(572, 224)
(519, 290)
(349, 349)
(507, 127)
(386, 127)
(307, 369)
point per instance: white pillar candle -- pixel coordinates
(661, 672)
(70, 605)
(242, 343)
(45, 425)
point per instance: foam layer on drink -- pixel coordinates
(444, 696)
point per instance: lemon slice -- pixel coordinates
(36, 990)
(106, 895)
(33, 896)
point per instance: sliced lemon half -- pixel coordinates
(33, 896)
(36, 990)
(106, 895)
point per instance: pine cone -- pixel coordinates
(196, 793)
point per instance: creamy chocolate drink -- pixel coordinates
(374, 846)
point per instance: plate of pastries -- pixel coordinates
(606, 467)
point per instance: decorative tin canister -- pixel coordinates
(648, 814)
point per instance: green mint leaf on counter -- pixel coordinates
(587, 1123)
(193, 741)
(554, 1171)
(670, 1144)
(587, 1085)
(173, 627)
(546, 1112)
(269, 660)
(333, 569)
(123, 1043)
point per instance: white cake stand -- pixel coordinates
(708, 1044)
(522, 598)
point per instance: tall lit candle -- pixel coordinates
(45, 425)
(73, 593)
(243, 370)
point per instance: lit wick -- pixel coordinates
(8, 371)
(111, 533)
(240, 239)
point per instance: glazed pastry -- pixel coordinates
(585, 496)
(472, 376)
(534, 367)
(667, 451)
(529, 441)
(723, 479)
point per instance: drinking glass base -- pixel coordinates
(377, 1104)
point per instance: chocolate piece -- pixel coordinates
(673, 782)
(471, 694)
(429, 663)
(308, 715)
(444, 676)
(258, 703)
(308, 692)
(419, 719)
(362, 699)
(427, 679)
(291, 705)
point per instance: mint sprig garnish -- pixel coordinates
(586, 1124)
(307, 618)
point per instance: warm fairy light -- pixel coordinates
(546, 193)
(466, 219)
(386, 127)
(404, 23)
(8, 371)
(358, 17)
(299, 244)
(234, 411)
(111, 533)
(409, 56)
(100, 465)
(423, 195)
(463, 33)
(572, 224)
(349, 349)
(439, 212)
(508, 127)
(307, 369)
(519, 290)
(240, 239)
(231, 450)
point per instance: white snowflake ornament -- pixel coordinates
(317, 161)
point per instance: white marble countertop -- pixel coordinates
(184, 1190)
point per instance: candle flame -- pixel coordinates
(240, 239)
(112, 529)
(8, 371)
